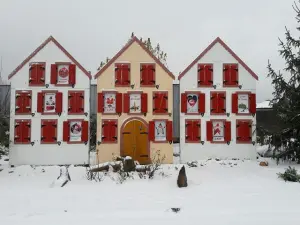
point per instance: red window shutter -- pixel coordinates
(19, 102)
(144, 75)
(144, 103)
(125, 75)
(126, 103)
(201, 75)
(234, 103)
(201, 103)
(100, 102)
(183, 103)
(66, 131)
(169, 129)
(160, 102)
(196, 130)
(27, 102)
(118, 72)
(33, 74)
(244, 133)
(151, 74)
(18, 132)
(53, 78)
(40, 102)
(41, 74)
(226, 74)
(58, 104)
(209, 131)
(72, 74)
(85, 131)
(151, 131)
(252, 103)
(227, 134)
(26, 132)
(189, 130)
(113, 131)
(208, 75)
(234, 74)
(48, 131)
(71, 102)
(214, 102)
(80, 102)
(105, 131)
(221, 103)
(119, 103)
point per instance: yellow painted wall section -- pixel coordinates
(135, 55)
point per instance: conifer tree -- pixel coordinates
(286, 96)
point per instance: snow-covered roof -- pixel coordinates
(265, 104)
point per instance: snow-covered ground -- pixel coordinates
(220, 192)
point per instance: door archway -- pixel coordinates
(134, 140)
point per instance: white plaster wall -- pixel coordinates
(48, 154)
(190, 151)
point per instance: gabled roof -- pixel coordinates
(218, 40)
(133, 39)
(40, 48)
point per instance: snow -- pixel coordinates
(265, 104)
(219, 192)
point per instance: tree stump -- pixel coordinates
(182, 179)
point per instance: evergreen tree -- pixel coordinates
(286, 96)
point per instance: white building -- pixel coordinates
(218, 106)
(50, 108)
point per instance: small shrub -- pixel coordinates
(290, 174)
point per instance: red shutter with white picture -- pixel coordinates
(193, 103)
(218, 131)
(75, 131)
(243, 103)
(49, 102)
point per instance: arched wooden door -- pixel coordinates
(135, 141)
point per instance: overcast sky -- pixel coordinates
(93, 29)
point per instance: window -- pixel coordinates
(244, 131)
(76, 131)
(160, 102)
(63, 74)
(160, 131)
(230, 75)
(192, 131)
(193, 103)
(205, 75)
(218, 103)
(122, 75)
(22, 132)
(135, 102)
(37, 74)
(147, 75)
(110, 102)
(109, 131)
(49, 102)
(218, 131)
(243, 103)
(23, 102)
(76, 102)
(48, 131)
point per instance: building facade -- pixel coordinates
(135, 104)
(50, 108)
(218, 106)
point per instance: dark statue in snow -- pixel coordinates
(182, 179)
